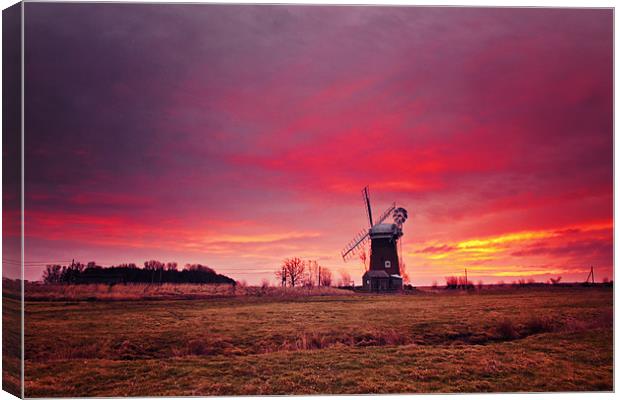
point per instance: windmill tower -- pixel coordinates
(384, 271)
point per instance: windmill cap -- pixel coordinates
(383, 228)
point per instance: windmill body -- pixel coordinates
(384, 271)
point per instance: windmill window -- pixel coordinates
(388, 264)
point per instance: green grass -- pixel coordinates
(561, 340)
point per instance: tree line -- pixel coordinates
(297, 272)
(153, 272)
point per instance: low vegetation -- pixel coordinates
(528, 339)
(137, 291)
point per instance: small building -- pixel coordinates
(381, 281)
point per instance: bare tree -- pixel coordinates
(312, 273)
(52, 274)
(345, 279)
(452, 282)
(281, 276)
(403, 271)
(153, 265)
(364, 258)
(291, 272)
(326, 277)
(171, 266)
(464, 283)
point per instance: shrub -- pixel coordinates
(506, 330)
(536, 324)
(452, 282)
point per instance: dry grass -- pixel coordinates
(11, 344)
(524, 340)
(127, 292)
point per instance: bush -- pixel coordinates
(537, 324)
(452, 282)
(506, 330)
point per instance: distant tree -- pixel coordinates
(291, 272)
(434, 285)
(403, 271)
(264, 283)
(154, 271)
(171, 266)
(198, 267)
(345, 279)
(464, 283)
(364, 258)
(315, 275)
(555, 281)
(71, 273)
(452, 282)
(153, 265)
(326, 277)
(281, 276)
(52, 274)
(311, 276)
(480, 285)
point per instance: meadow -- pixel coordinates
(495, 340)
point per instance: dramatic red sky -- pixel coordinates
(237, 136)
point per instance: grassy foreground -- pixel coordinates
(531, 339)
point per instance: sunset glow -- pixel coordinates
(236, 137)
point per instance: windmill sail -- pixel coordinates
(386, 213)
(366, 197)
(354, 245)
(362, 237)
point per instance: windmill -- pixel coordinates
(384, 271)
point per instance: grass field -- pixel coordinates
(527, 339)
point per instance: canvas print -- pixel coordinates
(221, 199)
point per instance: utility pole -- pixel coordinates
(466, 284)
(284, 276)
(319, 268)
(590, 278)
